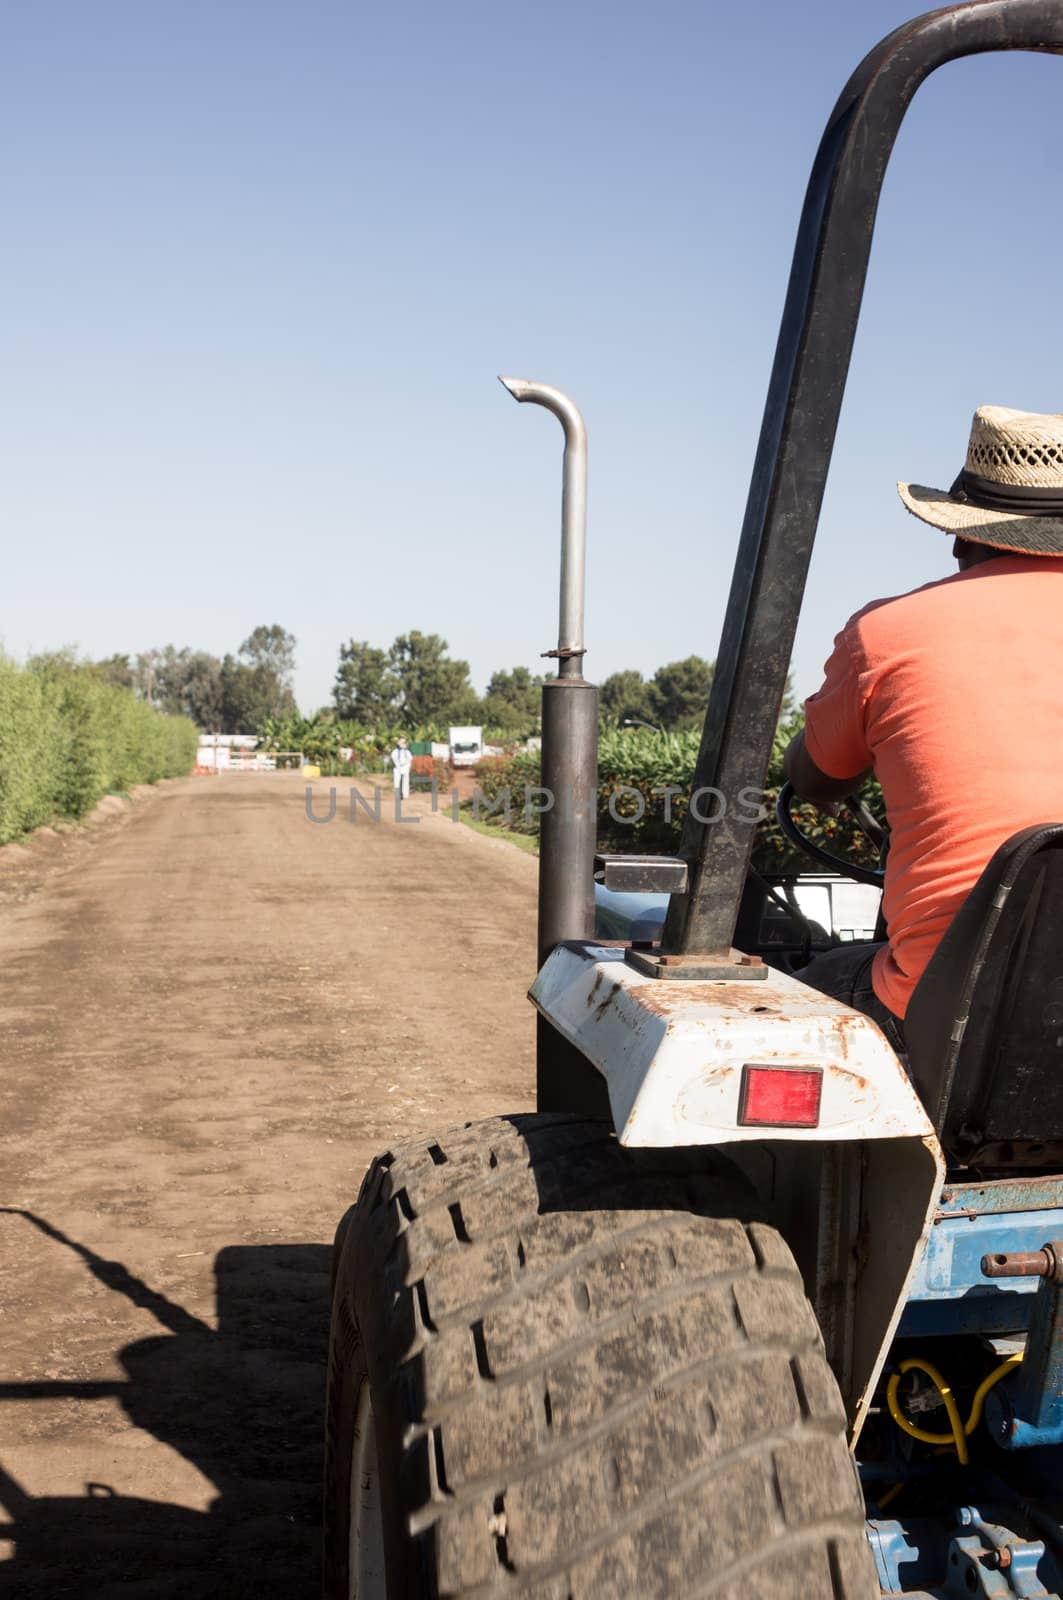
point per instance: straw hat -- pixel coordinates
(1010, 492)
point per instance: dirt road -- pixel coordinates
(210, 1019)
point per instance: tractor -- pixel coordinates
(750, 1308)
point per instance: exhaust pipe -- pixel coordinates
(568, 826)
(570, 646)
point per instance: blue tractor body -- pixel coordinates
(938, 1527)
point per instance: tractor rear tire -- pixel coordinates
(590, 1374)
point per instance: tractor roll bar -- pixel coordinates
(797, 433)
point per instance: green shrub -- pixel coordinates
(83, 755)
(67, 737)
(29, 746)
(495, 774)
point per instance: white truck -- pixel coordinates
(466, 746)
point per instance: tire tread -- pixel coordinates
(590, 1399)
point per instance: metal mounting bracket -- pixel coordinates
(642, 874)
(705, 966)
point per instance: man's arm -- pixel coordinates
(810, 781)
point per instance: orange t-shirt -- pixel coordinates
(954, 694)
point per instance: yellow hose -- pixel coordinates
(984, 1387)
(960, 1431)
(957, 1436)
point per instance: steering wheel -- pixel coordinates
(869, 826)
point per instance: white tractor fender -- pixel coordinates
(672, 1053)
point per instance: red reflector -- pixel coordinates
(780, 1097)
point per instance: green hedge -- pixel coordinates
(66, 739)
(641, 761)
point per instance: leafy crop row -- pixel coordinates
(635, 816)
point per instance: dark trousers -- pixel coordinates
(845, 974)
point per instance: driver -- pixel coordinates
(953, 697)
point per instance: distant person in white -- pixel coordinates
(401, 761)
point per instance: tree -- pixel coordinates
(184, 682)
(271, 649)
(432, 686)
(365, 687)
(54, 665)
(625, 694)
(513, 700)
(114, 670)
(242, 706)
(251, 695)
(466, 706)
(202, 691)
(679, 693)
(229, 695)
(259, 684)
(144, 669)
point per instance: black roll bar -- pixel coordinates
(797, 434)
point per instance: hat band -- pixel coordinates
(989, 495)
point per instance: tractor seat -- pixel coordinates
(985, 1024)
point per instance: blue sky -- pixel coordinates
(262, 262)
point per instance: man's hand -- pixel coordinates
(811, 783)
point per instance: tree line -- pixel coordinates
(234, 693)
(417, 681)
(414, 682)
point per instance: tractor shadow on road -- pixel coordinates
(243, 1403)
